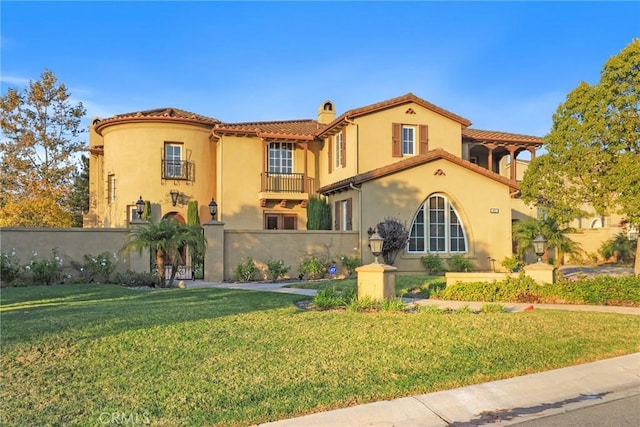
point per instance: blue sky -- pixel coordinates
(504, 65)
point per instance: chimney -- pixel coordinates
(326, 113)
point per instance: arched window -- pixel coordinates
(437, 227)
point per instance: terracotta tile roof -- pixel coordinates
(155, 115)
(393, 102)
(304, 129)
(413, 162)
(495, 136)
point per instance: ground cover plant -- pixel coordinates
(77, 354)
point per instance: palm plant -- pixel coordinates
(525, 231)
(619, 247)
(166, 239)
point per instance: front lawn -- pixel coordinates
(78, 354)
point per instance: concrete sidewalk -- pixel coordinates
(504, 402)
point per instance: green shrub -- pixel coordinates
(465, 309)
(432, 263)
(134, 279)
(313, 268)
(45, 271)
(512, 263)
(246, 271)
(459, 263)
(276, 269)
(10, 268)
(362, 304)
(98, 269)
(350, 264)
(329, 298)
(601, 290)
(492, 308)
(395, 304)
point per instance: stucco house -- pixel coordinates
(455, 187)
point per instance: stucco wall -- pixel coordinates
(474, 197)
(290, 246)
(133, 153)
(69, 243)
(74, 243)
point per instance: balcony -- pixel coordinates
(285, 186)
(178, 170)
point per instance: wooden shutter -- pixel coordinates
(396, 139)
(423, 131)
(343, 149)
(330, 151)
(336, 216)
(349, 221)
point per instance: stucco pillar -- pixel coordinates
(541, 272)
(376, 281)
(490, 147)
(214, 256)
(512, 153)
(139, 262)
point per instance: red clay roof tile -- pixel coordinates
(496, 136)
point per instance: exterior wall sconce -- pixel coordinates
(140, 207)
(174, 196)
(376, 242)
(213, 209)
(539, 246)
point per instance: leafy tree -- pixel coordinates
(395, 235)
(79, 200)
(34, 212)
(594, 147)
(167, 239)
(39, 140)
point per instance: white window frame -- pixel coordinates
(281, 158)
(408, 144)
(173, 160)
(445, 216)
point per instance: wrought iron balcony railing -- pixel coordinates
(178, 169)
(286, 183)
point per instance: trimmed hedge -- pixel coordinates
(599, 290)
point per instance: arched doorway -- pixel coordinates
(184, 270)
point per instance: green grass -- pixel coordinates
(406, 286)
(222, 357)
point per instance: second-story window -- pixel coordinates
(111, 188)
(408, 140)
(280, 157)
(173, 160)
(339, 149)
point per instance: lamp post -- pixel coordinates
(539, 246)
(140, 207)
(376, 242)
(213, 209)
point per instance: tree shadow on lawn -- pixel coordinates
(90, 311)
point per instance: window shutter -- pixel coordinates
(336, 216)
(330, 151)
(349, 222)
(396, 137)
(423, 131)
(343, 149)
